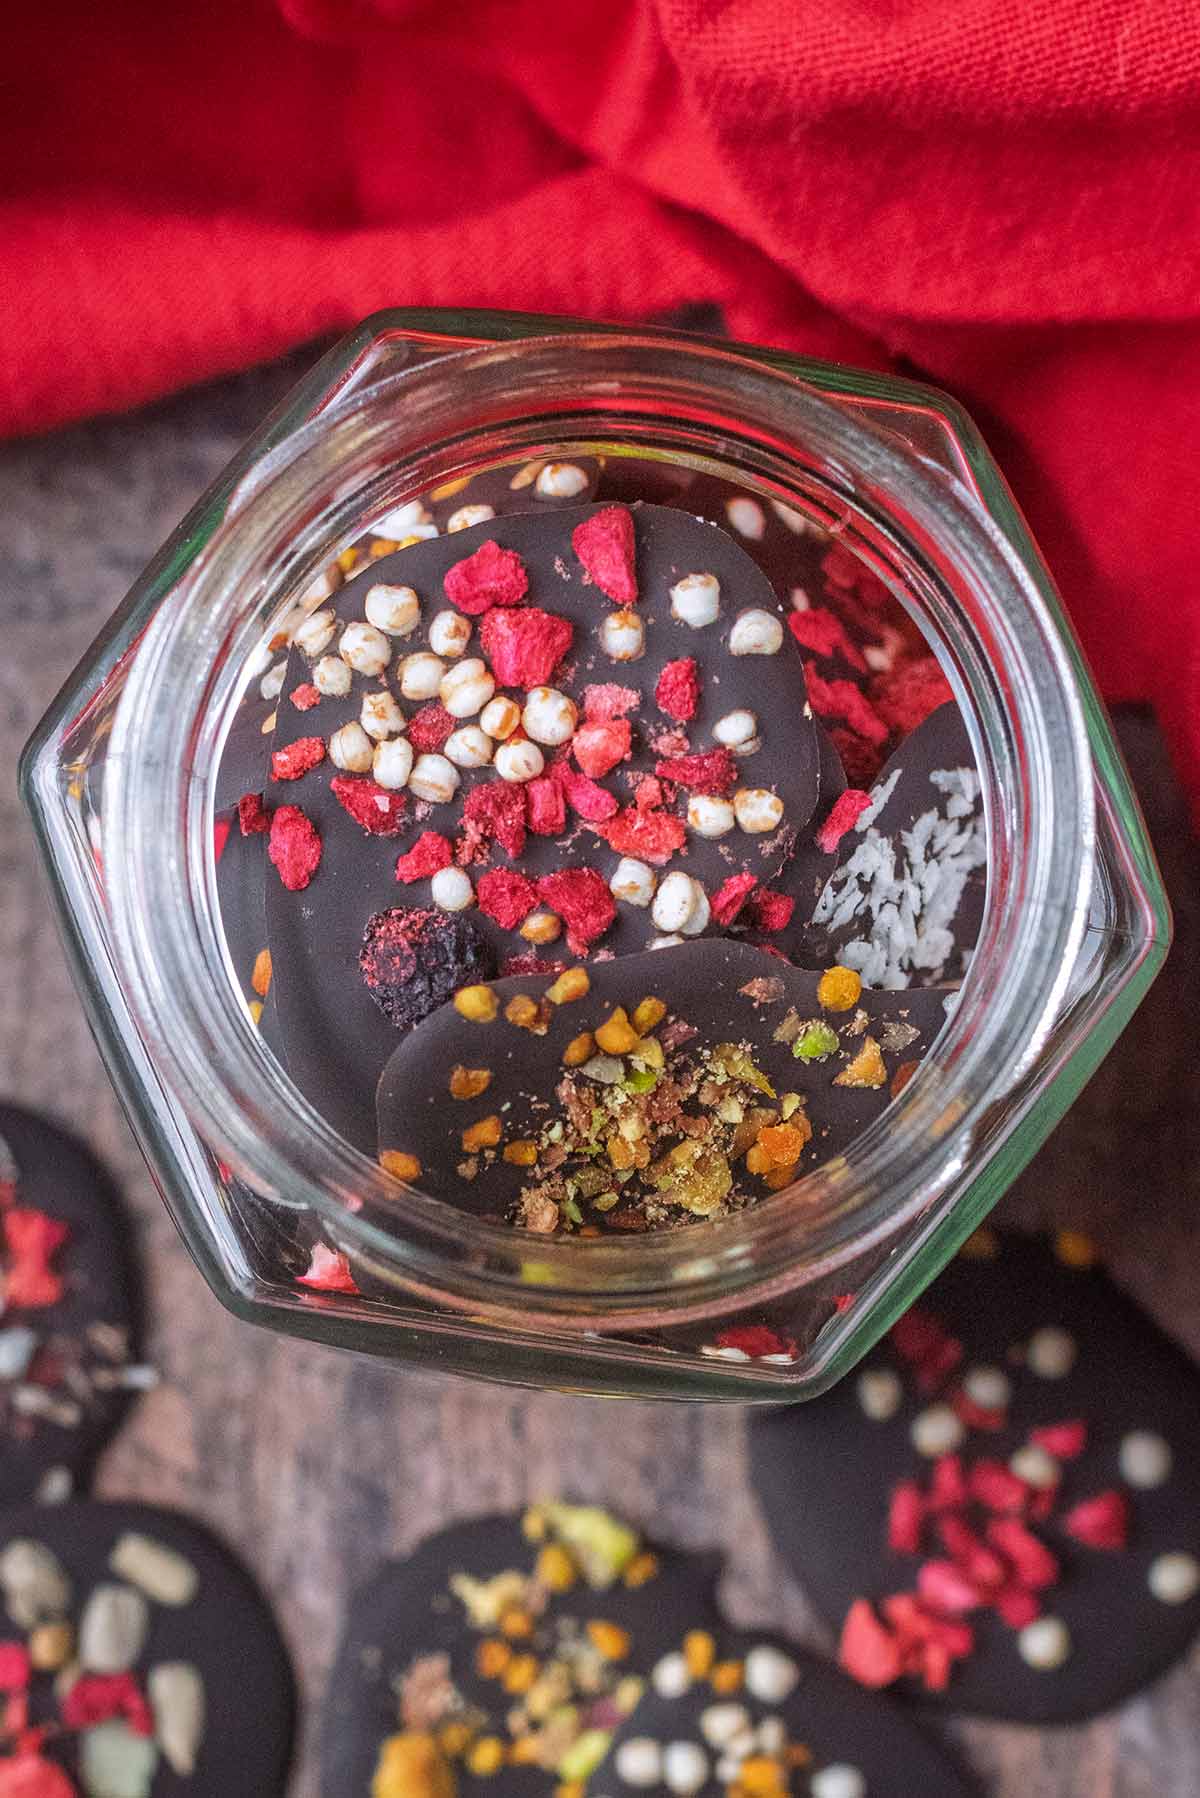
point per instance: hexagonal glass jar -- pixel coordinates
(120, 780)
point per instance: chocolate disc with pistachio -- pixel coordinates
(146, 1653)
(501, 1655)
(654, 1090)
(1022, 1451)
(753, 1713)
(69, 1323)
(578, 731)
(905, 903)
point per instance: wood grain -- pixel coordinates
(313, 1463)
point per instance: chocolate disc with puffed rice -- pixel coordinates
(564, 734)
(752, 1712)
(69, 1325)
(656, 1090)
(502, 1654)
(146, 1653)
(1023, 1539)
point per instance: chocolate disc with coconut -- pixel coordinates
(750, 1712)
(1021, 1453)
(678, 1084)
(553, 734)
(147, 1654)
(69, 1324)
(905, 902)
(502, 1654)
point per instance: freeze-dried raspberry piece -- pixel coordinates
(905, 697)
(31, 1239)
(947, 1589)
(652, 836)
(328, 1271)
(429, 729)
(843, 816)
(821, 632)
(506, 896)
(843, 700)
(582, 900)
(525, 647)
(868, 1651)
(98, 1697)
(305, 697)
(527, 963)
(981, 1564)
(253, 815)
(1100, 1522)
(380, 812)
(595, 804)
(1017, 1607)
(948, 1487)
(648, 793)
(491, 577)
(297, 758)
(428, 854)
(1065, 1441)
(860, 759)
(678, 690)
(730, 897)
(976, 1417)
(771, 911)
(1031, 1561)
(600, 744)
(714, 772)
(413, 961)
(547, 805)
(756, 1340)
(608, 700)
(996, 1487)
(495, 810)
(294, 846)
(906, 1511)
(605, 545)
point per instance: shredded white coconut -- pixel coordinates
(905, 892)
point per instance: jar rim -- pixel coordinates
(407, 433)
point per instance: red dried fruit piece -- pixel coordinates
(547, 805)
(506, 896)
(846, 572)
(678, 690)
(771, 911)
(842, 1300)
(608, 700)
(380, 812)
(995, 1487)
(413, 960)
(27, 1775)
(825, 635)
(495, 811)
(846, 812)
(525, 647)
(843, 700)
(868, 1651)
(1065, 1441)
(907, 695)
(1031, 1561)
(600, 744)
(605, 544)
(1041, 1503)
(328, 1271)
(528, 962)
(298, 758)
(981, 1564)
(15, 1667)
(430, 728)
(948, 1485)
(648, 793)
(1017, 1607)
(582, 900)
(755, 1340)
(713, 771)
(491, 577)
(294, 847)
(916, 1627)
(946, 1588)
(595, 804)
(933, 1373)
(221, 836)
(1100, 1522)
(976, 1417)
(253, 816)
(918, 1335)
(861, 760)
(32, 1238)
(305, 697)
(906, 1512)
(99, 1697)
(651, 836)
(428, 855)
(730, 897)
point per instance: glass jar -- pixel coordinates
(120, 776)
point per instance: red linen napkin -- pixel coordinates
(1003, 197)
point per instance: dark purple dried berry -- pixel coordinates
(413, 961)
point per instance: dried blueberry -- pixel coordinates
(413, 961)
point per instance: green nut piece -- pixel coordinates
(815, 1042)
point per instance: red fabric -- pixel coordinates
(997, 195)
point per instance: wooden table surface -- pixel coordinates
(313, 1463)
